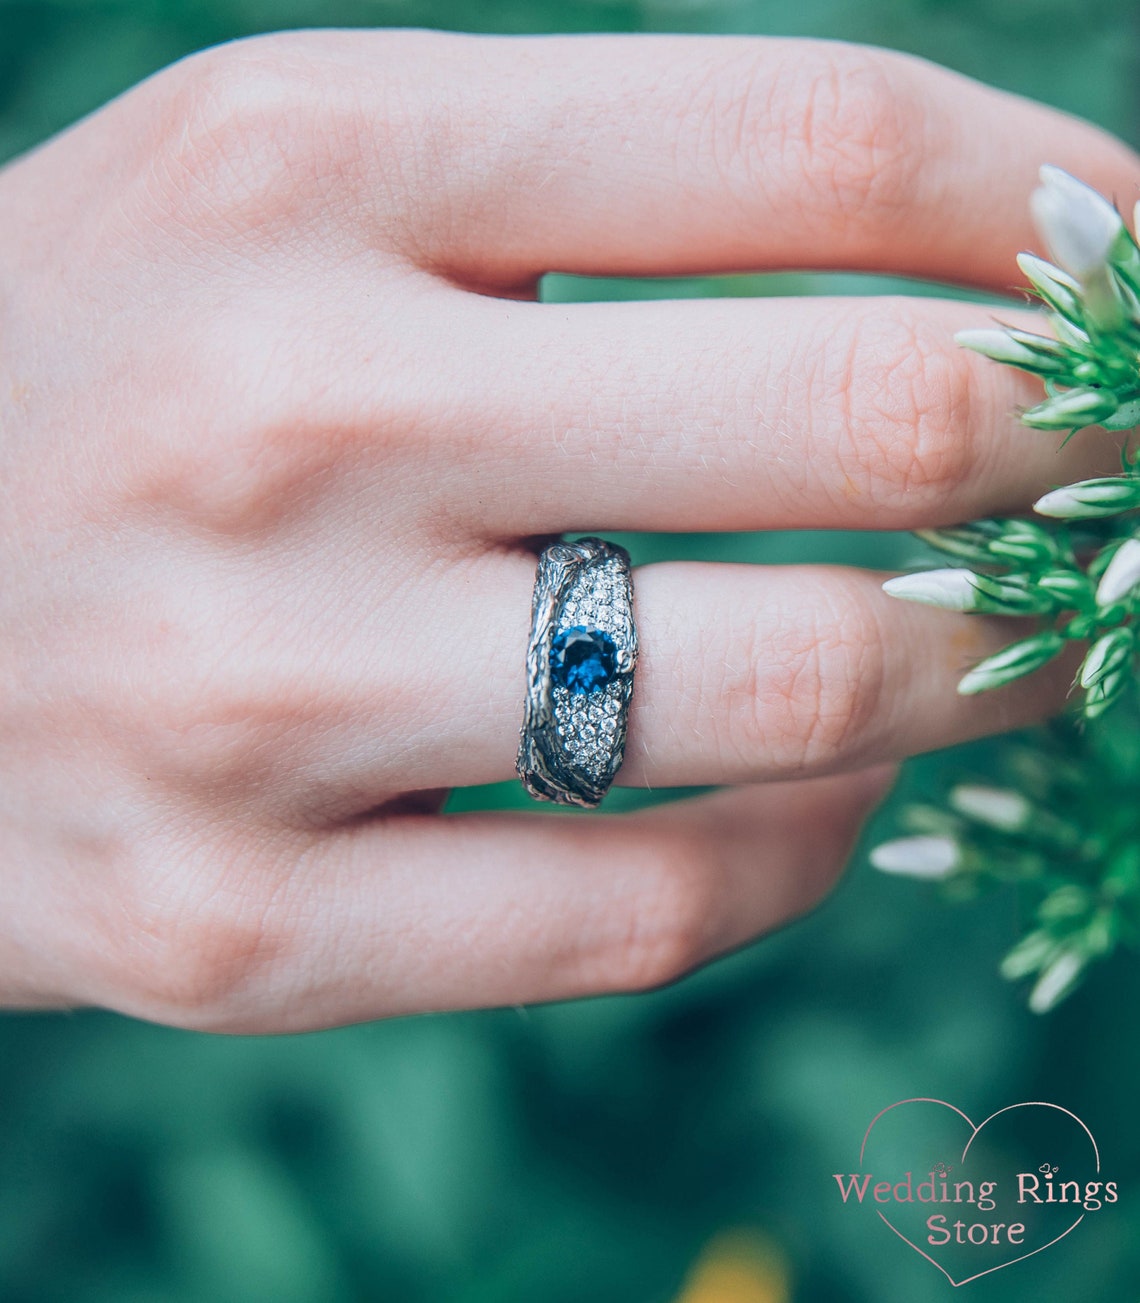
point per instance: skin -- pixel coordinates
(281, 425)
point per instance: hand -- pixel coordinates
(278, 421)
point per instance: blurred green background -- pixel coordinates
(625, 1150)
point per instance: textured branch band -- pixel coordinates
(580, 663)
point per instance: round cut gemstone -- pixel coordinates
(583, 659)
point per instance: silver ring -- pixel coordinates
(580, 663)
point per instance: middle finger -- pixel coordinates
(745, 415)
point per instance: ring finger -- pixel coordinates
(746, 673)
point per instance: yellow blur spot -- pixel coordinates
(738, 1267)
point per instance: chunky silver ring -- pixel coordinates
(580, 663)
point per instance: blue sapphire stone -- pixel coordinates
(583, 659)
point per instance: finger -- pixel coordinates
(414, 914)
(672, 154)
(753, 673)
(745, 673)
(735, 414)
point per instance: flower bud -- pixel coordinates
(971, 541)
(1056, 981)
(1079, 226)
(1033, 950)
(1069, 589)
(959, 589)
(1014, 350)
(1090, 499)
(1022, 540)
(1012, 662)
(932, 857)
(1072, 409)
(996, 807)
(1106, 692)
(1098, 563)
(1108, 655)
(1083, 626)
(1122, 575)
(1059, 290)
(951, 589)
(1069, 900)
(1041, 345)
(1072, 336)
(1011, 595)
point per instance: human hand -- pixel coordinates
(279, 426)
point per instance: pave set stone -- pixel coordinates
(586, 713)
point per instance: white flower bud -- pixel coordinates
(971, 541)
(994, 806)
(953, 589)
(1072, 409)
(1091, 498)
(1030, 954)
(918, 857)
(999, 346)
(1078, 225)
(1122, 574)
(1107, 657)
(1057, 288)
(1012, 662)
(1056, 981)
(1044, 276)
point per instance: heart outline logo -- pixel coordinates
(974, 1132)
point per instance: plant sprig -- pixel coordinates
(1077, 572)
(1061, 824)
(1064, 826)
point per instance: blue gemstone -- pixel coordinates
(583, 659)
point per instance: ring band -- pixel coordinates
(580, 663)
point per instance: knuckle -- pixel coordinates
(230, 708)
(226, 734)
(209, 705)
(247, 132)
(905, 399)
(850, 133)
(233, 478)
(839, 129)
(806, 695)
(842, 130)
(214, 740)
(191, 943)
(271, 435)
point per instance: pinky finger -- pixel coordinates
(422, 912)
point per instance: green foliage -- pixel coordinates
(1059, 821)
(1080, 574)
(1083, 574)
(1056, 572)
